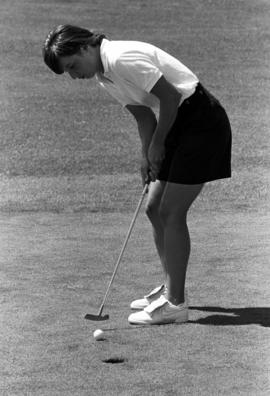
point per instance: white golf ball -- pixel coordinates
(99, 335)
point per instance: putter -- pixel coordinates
(98, 316)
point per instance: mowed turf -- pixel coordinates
(55, 269)
(69, 183)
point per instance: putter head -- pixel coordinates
(96, 318)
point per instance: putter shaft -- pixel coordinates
(98, 316)
(124, 245)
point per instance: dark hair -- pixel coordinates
(67, 40)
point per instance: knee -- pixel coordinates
(152, 210)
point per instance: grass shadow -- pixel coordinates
(233, 316)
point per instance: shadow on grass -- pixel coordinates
(234, 316)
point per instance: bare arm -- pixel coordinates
(146, 122)
(169, 99)
(152, 132)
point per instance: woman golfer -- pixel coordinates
(187, 145)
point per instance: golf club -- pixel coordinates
(98, 316)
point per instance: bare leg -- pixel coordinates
(175, 203)
(155, 193)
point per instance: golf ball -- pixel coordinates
(98, 335)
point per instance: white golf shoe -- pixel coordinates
(160, 311)
(149, 298)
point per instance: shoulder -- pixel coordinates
(127, 51)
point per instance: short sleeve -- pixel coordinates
(138, 69)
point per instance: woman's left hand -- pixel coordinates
(156, 154)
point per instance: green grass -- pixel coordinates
(57, 126)
(69, 182)
(53, 127)
(55, 271)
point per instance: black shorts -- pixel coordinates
(198, 146)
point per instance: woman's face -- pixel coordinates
(84, 64)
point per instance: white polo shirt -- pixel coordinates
(132, 68)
